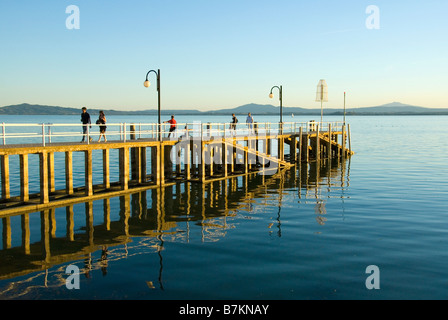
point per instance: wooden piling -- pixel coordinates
(329, 142)
(51, 178)
(106, 169)
(69, 172)
(24, 178)
(43, 170)
(317, 143)
(5, 176)
(88, 173)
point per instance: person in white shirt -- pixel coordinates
(250, 121)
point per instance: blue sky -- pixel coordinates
(221, 54)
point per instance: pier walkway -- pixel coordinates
(150, 157)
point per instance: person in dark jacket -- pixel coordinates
(85, 120)
(102, 122)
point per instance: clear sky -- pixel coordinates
(223, 53)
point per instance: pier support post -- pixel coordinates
(136, 164)
(124, 168)
(224, 158)
(343, 142)
(43, 170)
(69, 172)
(24, 178)
(349, 139)
(162, 164)
(193, 154)
(143, 164)
(106, 169)
(329, 142)
(202, 162)
(317, 143)
(167, 164)
(292, 149)
(155, 172)
(187, 161)
(88, 173)
(51, 186)
(5, 177)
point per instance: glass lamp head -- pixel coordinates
(271, 95)
(147, 84)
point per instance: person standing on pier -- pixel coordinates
(102, 122)
(85, 120)
(250, 121)
(233, 124)
(173, 125)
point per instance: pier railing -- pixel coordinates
(44, 133)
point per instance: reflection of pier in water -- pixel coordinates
(154, 216)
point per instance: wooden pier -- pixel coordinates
(148, 162)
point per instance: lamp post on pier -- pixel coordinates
(271, 95)
(147, 84)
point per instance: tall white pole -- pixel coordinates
(321, 100)
(344, 107)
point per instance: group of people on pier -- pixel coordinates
(86, 124)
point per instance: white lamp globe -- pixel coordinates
(147, 84)
(271, 95)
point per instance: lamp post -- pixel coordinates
(147, 84)
(271, 95)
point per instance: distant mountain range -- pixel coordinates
(394, 108)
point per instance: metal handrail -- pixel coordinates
(50, 132)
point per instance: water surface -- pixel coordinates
(305, 233)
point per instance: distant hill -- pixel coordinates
(394, 108)
(28, 109)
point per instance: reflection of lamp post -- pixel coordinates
(271, 95)
(147, 84)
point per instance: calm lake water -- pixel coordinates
(305, 233)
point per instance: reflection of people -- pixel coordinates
(233, 123)
(85, 120)
(173, 125)
(103, 260)
(102, 120)
(249, 121)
